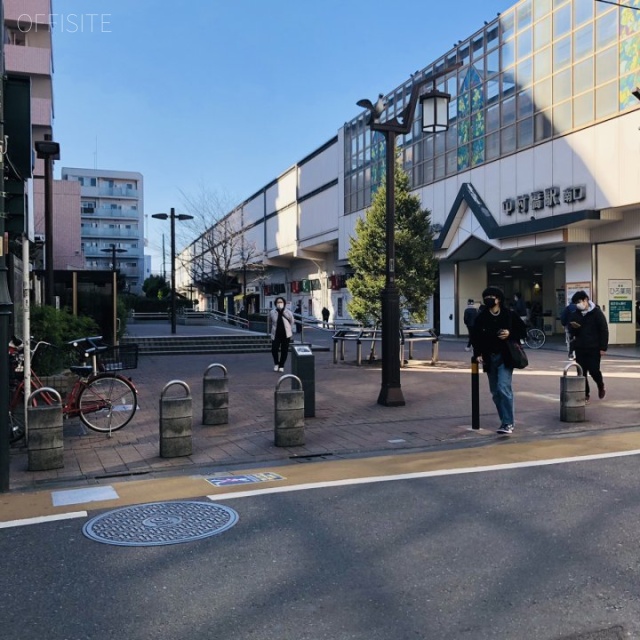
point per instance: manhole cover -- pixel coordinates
(159, 523)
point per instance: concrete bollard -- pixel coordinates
(572, 395)
(215, 397)
(289, 414)
(45, 445)
(176, 416)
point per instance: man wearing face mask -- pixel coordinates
(281, 333)
(494, 325)
(590, 333)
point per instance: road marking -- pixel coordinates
(80, 496)
(421, 474)
(41, 519)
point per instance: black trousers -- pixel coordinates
(280, 350)
(589, 361)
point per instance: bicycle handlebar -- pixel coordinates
(93, 347)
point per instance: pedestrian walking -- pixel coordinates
(298, 317)
(281, 333)
(469, 318)
(519, 307)
(564, 320)
(493, 327)
(325, 317)
(590, 334)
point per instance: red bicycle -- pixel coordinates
(103, 399)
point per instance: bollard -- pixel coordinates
(215, 397)
(475, 394)
(289, 414)
(45, 446)
(572, 395)
(175, 423)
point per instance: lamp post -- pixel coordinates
(114, 284)
(435, 107)
(48, 151)
(173, 217)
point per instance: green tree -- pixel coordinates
(416, 264)
(156, 287)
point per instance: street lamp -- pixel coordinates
(173, 217)
(114, 284)
(435, 108)
(48, 151)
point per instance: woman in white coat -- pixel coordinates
(281, 333)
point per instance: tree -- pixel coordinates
(416, 264)
(156, 287)
(221, 251)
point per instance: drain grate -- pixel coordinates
(160, 523)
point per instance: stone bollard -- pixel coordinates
(215, 397)
(45, 445)
(175, 423)
(289, 414)
(572, 395)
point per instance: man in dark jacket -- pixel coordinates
(494, 325)
(590, 334)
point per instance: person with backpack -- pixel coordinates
(469, 318)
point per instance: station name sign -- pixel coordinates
(543, 198)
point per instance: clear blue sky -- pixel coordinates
(230, 93)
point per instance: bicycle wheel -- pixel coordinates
(107, 403)
(535, 338)
(16, 418)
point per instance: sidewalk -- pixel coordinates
(348, 420)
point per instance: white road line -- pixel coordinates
(41, 519)
(421, 474)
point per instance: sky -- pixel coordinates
(227, 95)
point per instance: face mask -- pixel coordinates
(490, 302)
(582, 306)
(280, 305)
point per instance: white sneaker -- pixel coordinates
(275, 367)
(281, 369)
(467, 348)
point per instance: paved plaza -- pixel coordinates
(348, 421)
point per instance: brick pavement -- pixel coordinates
(348, 420)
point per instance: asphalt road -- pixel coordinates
(538, 552)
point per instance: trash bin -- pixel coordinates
(572, 395)
(303, 366)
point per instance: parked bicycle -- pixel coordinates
(535, 338)
(103, 399)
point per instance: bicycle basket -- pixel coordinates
(117, 358)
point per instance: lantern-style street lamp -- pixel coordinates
(435, 118)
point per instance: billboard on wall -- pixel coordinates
(620, 296)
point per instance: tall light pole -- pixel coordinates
(5, 305)
(48, 151)
(114, 284)
(435, 108)
(173, 217)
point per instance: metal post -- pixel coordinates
(390, 390)
(173, 270)
(5, 314)
(48, 231)
(475, 394)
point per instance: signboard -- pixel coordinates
(544, 198)
(302, 350)
(574, 287)
(620, 301)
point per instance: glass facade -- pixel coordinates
(541, 69)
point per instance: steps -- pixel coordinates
(161, 345)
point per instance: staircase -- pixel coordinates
(242, 343)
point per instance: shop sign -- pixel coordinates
(543, 198)
(620, 301)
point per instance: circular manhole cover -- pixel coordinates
(159, 523)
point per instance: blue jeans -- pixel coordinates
(500, 385)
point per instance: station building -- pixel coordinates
(535, 187)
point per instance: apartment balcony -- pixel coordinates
(38, 12)
(109, 234)
(107, 212)
(118, 192)
(27, 60)
(41, 112)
